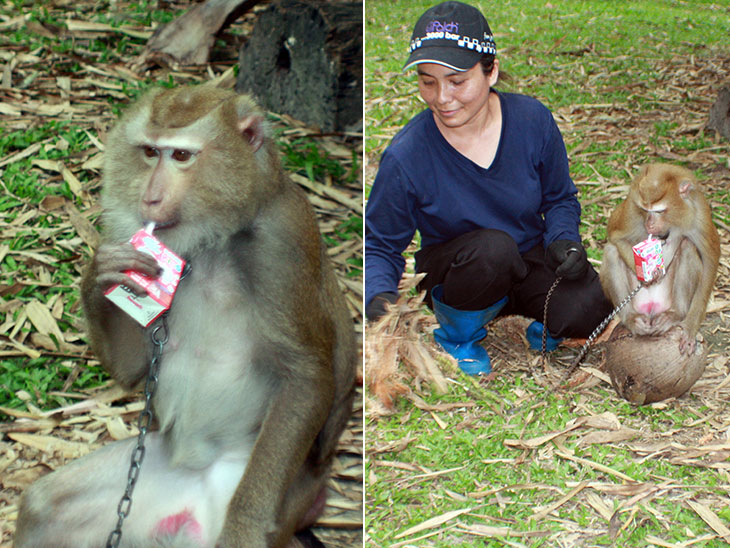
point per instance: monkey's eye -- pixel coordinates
(180, 155)
(150, 152)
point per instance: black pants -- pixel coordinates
(479, 268)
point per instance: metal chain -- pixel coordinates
(159, 337)
(597, 331)
(544, 319)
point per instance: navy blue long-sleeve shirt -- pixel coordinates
(424, 184)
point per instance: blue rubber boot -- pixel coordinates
(534, 337)
(461, 330)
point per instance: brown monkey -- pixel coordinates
(666, 202)
(257, 379)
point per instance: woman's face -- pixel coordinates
(455, 97)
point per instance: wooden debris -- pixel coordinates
(187, 40)
(398, 353)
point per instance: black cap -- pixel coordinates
(452, 34)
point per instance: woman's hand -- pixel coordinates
(567, 258)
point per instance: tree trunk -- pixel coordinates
(304, 58)
(720, 113)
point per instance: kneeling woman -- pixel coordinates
(483, 176)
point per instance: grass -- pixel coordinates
(628, 82)
(471, 441)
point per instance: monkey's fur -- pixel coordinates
(259, 370)
(667, 202)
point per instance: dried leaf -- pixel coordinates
(487, 530)
(117, 429)
(614, 436)
(32, 149)
(596, 466)
(433, 522)
(83, 226)
(51, 445)
(711, 519)
(95, 162)
(562, 500)
(71, 180)
(52, 202)
(43, 320)
(48, 165)
(9, 110)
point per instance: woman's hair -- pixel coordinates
(487, 62)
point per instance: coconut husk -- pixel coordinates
(399, 355)
(647, 369)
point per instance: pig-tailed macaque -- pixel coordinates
(667, 202)
(257, 379)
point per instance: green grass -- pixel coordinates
(623, 79)
(473, 442)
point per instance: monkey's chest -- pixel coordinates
(210, 397)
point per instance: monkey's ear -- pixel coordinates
(252, 129)
(685, 187)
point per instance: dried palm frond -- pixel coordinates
(399, 351)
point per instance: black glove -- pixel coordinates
(378, 304)
(567, 258)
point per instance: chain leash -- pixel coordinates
(597, 331)
(159, 337)
(544, 319)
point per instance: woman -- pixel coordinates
(483, 176)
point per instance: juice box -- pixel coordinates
(648, 259)
(146, 309)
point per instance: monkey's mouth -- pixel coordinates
(164, 226)
(662, 237)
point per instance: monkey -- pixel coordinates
(257, 378)
(665, 201)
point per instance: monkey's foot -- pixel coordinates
(183, 523)
(687, 344)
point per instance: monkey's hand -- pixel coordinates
(658, 275)
(112, 260)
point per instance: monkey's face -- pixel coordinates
(652, 210)
(655, 221)
(196, 178)
(660, 194)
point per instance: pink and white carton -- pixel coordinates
(648, 259)
(146, 309)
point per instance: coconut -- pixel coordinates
(647, 369)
